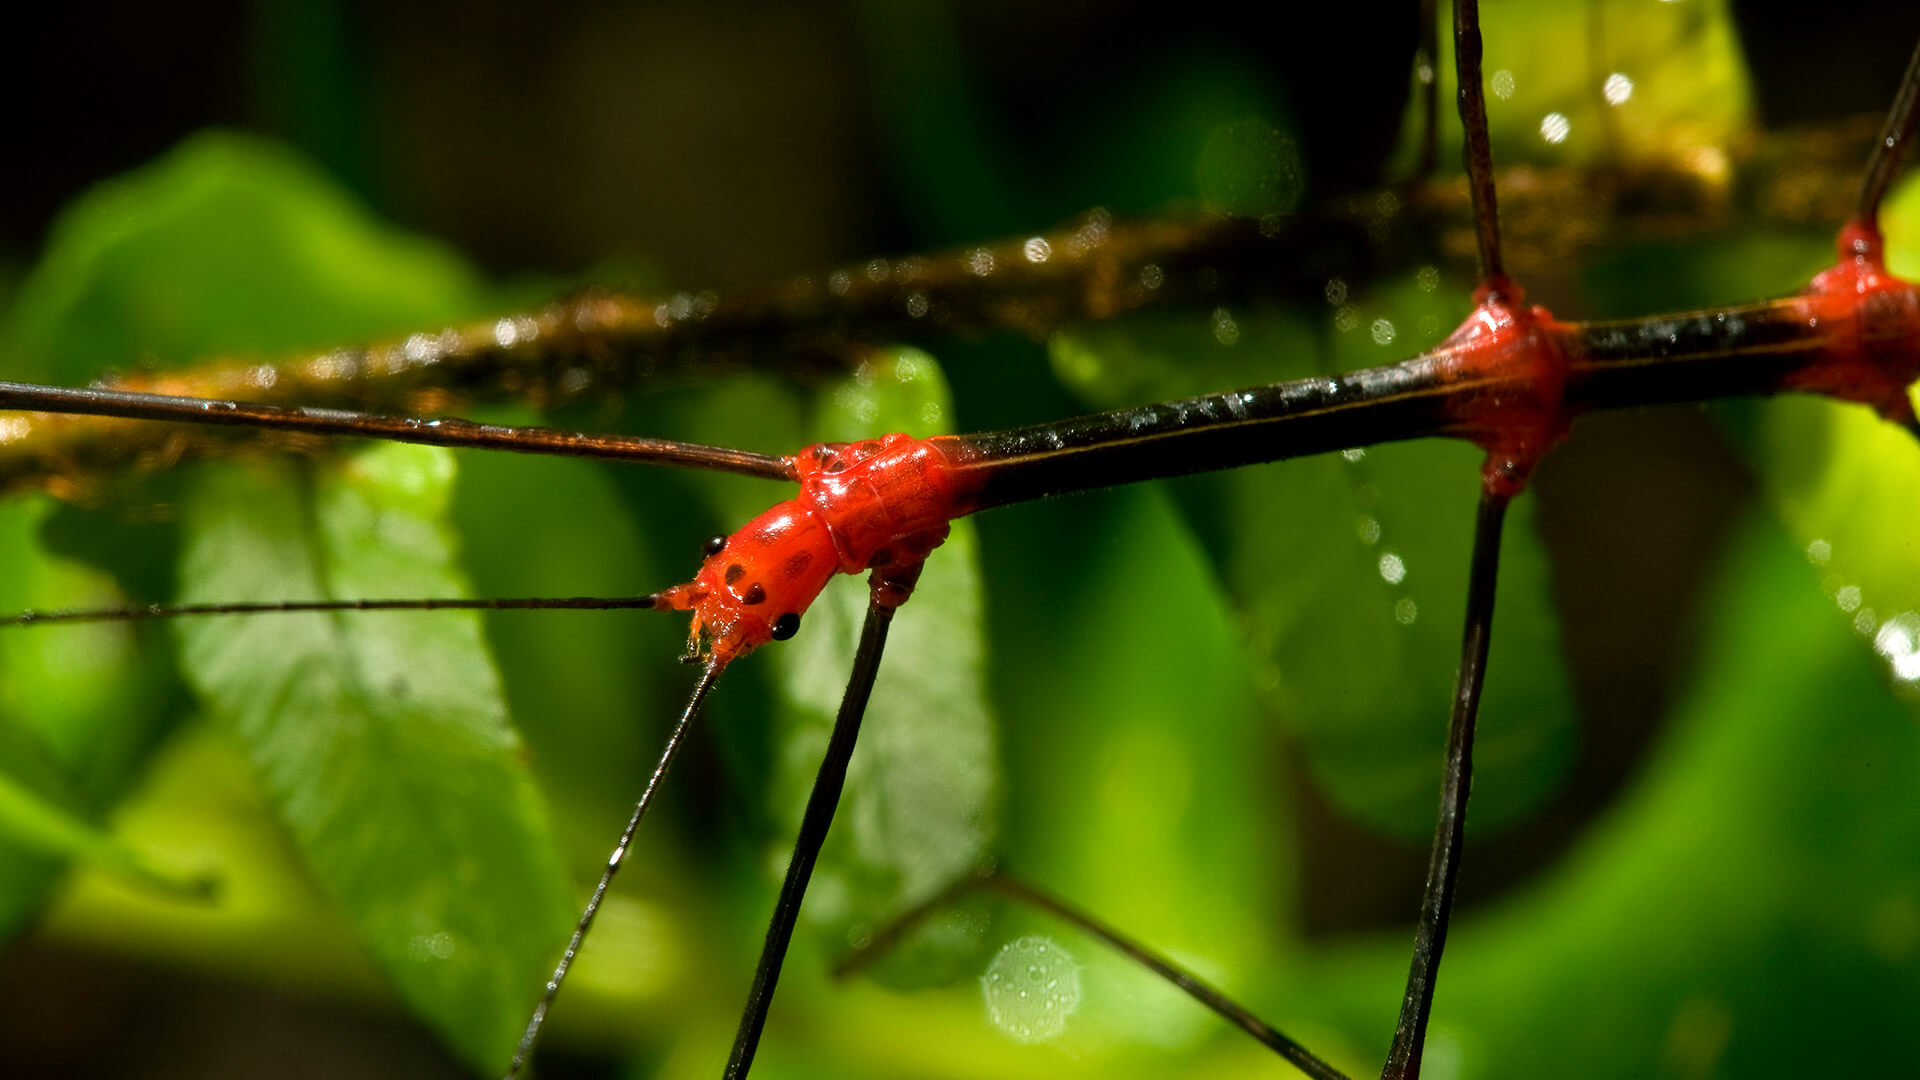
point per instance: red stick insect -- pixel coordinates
(1502, 427)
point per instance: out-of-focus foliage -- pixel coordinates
(1134, 697)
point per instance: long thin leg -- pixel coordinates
(143, 612)
(1430, 936)
(1479, 148)
(674, 741)
(813, 833)
(1027, 893)
(1892, 144)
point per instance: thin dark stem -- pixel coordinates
(128, 405)
(882, 941)
(1479, 148)
(1430, 936)
(813, 833)
(1426, 63)
(1195, 987)
(672, 750)
(173, 611)
(996, 880)
(1891, 147)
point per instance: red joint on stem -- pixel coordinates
(877, 504)
(1869, 323)
(1516, 413)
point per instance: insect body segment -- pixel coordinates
(1871, 319)
(879, 504)
(1515, 351)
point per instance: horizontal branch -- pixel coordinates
(599, 344)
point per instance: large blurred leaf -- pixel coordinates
(77, 704)
(383, 742)
(1349, 570)
(1674, 85)
(229, 245)
(1749, 910)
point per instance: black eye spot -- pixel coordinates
(735, 573)
(714, 546)
(786, 626)
(754, 595)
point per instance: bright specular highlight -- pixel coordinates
(1031, 987)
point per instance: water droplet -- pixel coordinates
(1225, 330)
(1617, 89)
(1037, 250)
(1025, 998)
(1382, 332)
(1899, 641)
(1393, 570)
(1555, 128)
(1502, 84)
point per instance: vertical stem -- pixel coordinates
(813, 833)
(1430, 936)
(1427, 63)
(672, 750)
(1479, 149)
(1892, 144)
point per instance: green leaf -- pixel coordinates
(230, 245)
(1685, 95)
(43, 825)
(78, 704)
(1141, 764)
(382, 742)
(1349, 570)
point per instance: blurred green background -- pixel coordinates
(1209, 711)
